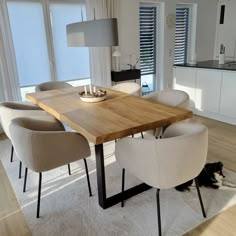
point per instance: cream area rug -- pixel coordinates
(67, 209)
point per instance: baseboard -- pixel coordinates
(215, 116)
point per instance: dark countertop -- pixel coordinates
(212, 64)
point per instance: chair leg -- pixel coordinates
(25, 179)
(158, 211)
(88, 180)
(39, 194)
(123, 187)
(12, 152)
(20, 167)
(142, 134)
(200, 198)
(69, 169)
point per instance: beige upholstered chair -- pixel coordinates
(173, 160)
(52, 85)
(12, 110)
(41, 148)
(129, 87)
(175, 98)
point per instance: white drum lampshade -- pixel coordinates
(93, 33)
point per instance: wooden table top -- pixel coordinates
(118, 116)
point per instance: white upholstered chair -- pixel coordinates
(129, 87)
(52, 85)
(12, 110)
(165, 163)
(41, 148)
(175, 98)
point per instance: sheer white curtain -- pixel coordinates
(9, 85)
(9, 88)
(100, 58)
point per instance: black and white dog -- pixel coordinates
(209, 177)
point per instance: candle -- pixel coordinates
(94, 89)
(90, 89)
(85, 90)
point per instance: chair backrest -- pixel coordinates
(175, 98)
(12, 110)
(52, 85)
(129, 87)
(164, 163)
(41, 147)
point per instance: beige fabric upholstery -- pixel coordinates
(175, 98)
(52, 85)
(41, 148)
(165, 163)
(12, 110)
(129, 87)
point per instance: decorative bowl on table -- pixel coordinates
(97, 96)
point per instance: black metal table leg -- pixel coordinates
(103, 201)
(100, 175)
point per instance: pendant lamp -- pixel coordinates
(93, 33)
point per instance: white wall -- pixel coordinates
(205, 32)
(128, 26)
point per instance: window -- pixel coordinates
(29, 38)
(71, 62)
(181, 35)
(148, 41)
(39, 36)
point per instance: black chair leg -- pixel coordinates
(158, 211)
(88, 180)
(25, 179)
(39, 194)
(142, 134)
(200, 198)
(69, 169)
(20, 167)
(12, 152)
(123, 187)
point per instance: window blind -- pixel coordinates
(181, 35)
(147, 24)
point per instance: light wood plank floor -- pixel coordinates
(12, 221)
(222, 147)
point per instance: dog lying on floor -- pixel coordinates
(209, 177)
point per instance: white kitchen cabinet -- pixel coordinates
(208, 89)
(228, 94)
(185, 80)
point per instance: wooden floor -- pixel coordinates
(222, 147)
(12, 221)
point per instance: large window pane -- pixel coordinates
(71, 62)
(28, 32)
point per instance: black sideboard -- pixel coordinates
(123, 75)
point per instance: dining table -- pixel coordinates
(119, 115)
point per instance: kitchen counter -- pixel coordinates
(212, 64)
(211, 88)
